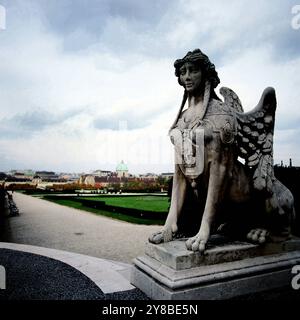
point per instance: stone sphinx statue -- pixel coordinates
(241, 199)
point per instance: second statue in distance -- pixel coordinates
(210, 136)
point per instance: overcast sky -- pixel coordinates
(87, 83)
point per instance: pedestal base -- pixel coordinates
(170, 272)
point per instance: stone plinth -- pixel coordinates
(227, 270)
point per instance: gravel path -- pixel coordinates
(46, 224)
(34, 277)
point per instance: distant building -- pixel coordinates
(37, 180)
(148, 177)
(167, 175)
(17, 179)
(29, 173)
(102, 182)
(19, 176)
(102, 173)
(89, 180)
(46, 174)
(122, 170)
(69, 177)
(47, 177)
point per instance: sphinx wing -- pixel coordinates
(255, 130)
(231, 99)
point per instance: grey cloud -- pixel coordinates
(132, 120)
(260, 24)
(82, 23)
(286, 122)
(34, 120)
(7, 163)
(117, 121)
(288, 136)
(287, 45)
(142, 27)
(25, 124)
(70, 14)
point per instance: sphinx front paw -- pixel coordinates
(198, 242)
(165, 235)
(258, 235)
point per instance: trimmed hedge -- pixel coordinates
(95, 204)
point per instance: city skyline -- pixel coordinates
(91, 172)
(84, 86)
(94, 171)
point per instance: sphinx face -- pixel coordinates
(191, 77)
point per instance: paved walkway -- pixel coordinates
(60, 275)
(109, 276)
(56, 252)
(46, 224)
(32, 273)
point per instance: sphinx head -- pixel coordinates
(195, 69)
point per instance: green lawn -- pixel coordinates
(114, 215)
(147, 203)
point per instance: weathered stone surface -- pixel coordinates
(239, 200)
(223, 280)
(175, 255)
(209, 136)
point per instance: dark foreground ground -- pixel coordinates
(35, 277)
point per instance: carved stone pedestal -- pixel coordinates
(227, 270)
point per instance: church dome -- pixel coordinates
(122, 166)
